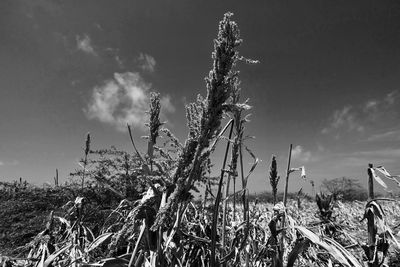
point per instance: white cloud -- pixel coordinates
(371, 114)
(392, 97)
(123, 99)
(300, 154)
(344, 118)
(370, 105)
(119, 61)
(166, 104)
(84, 43)
(147, 62)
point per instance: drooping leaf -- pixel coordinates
(333, 248)
(53, 256)
(98, 241)
(378, 179)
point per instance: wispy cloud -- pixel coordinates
(299, 153)
(32, 8)
(123, 99)
(84, 44)
(359, 160)
(114, 53)
(8, 163)
(147, 62)
(166, 104)
(345, 118)
(384, 153)
(119, 61)
(372, 113)
(386, 136)
(392, 97)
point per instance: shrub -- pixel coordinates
(347, 189)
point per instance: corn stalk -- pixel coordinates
(217, 201)
(372, 231)
(282, 250)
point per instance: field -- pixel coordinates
(125, 209)
(345, 227)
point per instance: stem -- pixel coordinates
(287, 176)
(245, 203)
(243, 182)
(225, 210)
(84, 171)
(284, 203)
(133, 144)
(217, 201)
(160, 255)
(56, 178)
(373, 259)
(150, 153)
(234, 197)
(370, 182)
(137, 243)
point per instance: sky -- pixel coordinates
(328, 80)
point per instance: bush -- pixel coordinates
(347, 189)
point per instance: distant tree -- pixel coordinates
(348, 189)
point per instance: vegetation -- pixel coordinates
(274, 178)
(347, 189)
(138, 209)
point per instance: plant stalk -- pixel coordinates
(372, 257)
(217, 201)
(284, 203)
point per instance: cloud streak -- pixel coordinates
(84, 44)
(386, 136)
(302, 155)
(345, 118)
(371, 114)
(123, 99)
(8, 163)
(147, 62)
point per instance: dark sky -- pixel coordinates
(328, 80)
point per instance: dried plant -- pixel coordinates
(204, 119)
(273, 177)
(85, 159)
(325, 206)
(154, 125)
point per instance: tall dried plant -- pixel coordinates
(236, 110)
(273, 177)
(204, 119)
(154, 125)
(86, 151)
